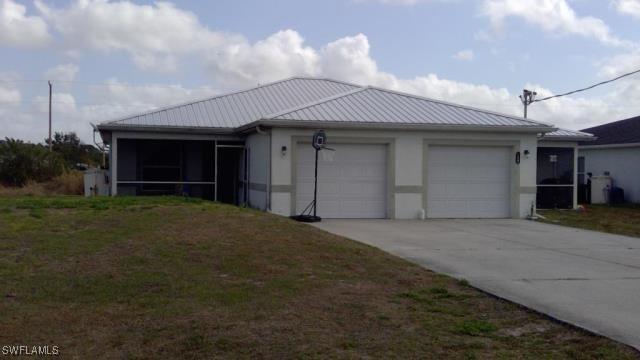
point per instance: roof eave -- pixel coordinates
(568, 138)
(392, 126)
(165, 129)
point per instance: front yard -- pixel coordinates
(176, 278)
(621, 220)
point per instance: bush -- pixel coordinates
(21, 162)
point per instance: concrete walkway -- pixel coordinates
(586, 278)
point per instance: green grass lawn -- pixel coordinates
(622, 220)
(171, 278)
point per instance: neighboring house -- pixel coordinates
(616, 151)
(395, 154)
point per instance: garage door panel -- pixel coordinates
(352, 185)
(468, 182)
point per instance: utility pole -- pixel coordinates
(527, 98)
(50, 93)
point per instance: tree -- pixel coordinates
(73, 151)
(21, 162)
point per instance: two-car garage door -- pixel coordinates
(468, 182)
(462, 181)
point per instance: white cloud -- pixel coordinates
(553, 16)
(17, 29)
(281, 55)
(620, 64)
(464, 55)
(62, 72)
(154, 35)
(628, 7)
(9, 96)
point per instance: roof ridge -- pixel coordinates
(401, 93)
(314, 103)
(208, 98)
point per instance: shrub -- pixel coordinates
(21, 162)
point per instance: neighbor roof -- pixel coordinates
(618, 132)
(301, 101)
(564, 134)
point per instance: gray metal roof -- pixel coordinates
(311, 100)
(236, 109)
(565, 134)
(375, 105)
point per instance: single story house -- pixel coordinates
(395, 155)
(616, 151)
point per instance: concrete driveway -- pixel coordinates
(586, 278)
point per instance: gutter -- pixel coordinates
(391, 126)
(166, 129)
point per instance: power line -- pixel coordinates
(94, 83)
(589, 87)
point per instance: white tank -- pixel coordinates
(600, 187)
(96, 183)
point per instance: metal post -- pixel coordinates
(315, 187)
(50, 93)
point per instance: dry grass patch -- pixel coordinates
(170, 278)
(68, 183)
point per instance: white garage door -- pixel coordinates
(468, 182)
(351, 185)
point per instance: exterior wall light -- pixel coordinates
(527, 154)
(283, 151)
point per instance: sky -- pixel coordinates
(107, 59)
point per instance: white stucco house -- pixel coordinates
(615, 151)
(396, 155)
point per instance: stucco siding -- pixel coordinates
(406, 164)
(622, 164)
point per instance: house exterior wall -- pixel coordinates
(259, 155)
(407, 155)
(622, 163)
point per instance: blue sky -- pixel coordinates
(108, 58)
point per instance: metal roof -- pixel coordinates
(236, 109)
(312, 100)
(375, 105)
(564, 134)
